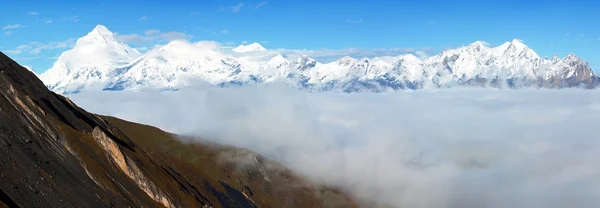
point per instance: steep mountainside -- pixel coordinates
(509, 65)
(55, 154)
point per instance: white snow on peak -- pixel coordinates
(277, 60)
(410, 57)
(248, 48)
(89, 61)
(518, 42)
(178, 63)
(346, 60)
(98, 59)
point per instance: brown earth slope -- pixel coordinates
(55, 154)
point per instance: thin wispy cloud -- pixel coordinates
(132, 38)
(360, 20)
(153, 36)
(11, 27)
(194, 13)
(33, 13)
(48, 21)
(38, 47)
(28, 58)
(20, 49)
(224, 31)
(175, 35)
(234, 8)
(7, 32)
(72, 18)
(459, 148)
(152, 32)
(143, 18)
(261, 4)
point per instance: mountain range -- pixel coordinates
(98, 61)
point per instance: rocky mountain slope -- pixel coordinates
(172, 66)
(55, 154)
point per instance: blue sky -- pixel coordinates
(44, 29)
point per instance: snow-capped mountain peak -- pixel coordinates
(89, 61)
(249, 48)
(98, 36)
(99, 59)
(478, 45)
(277, 60)
(518, 43)
(346, 61)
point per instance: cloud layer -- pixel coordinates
(460, 148)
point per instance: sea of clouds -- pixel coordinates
(455, 148)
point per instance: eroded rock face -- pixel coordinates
(55, 154)
(130, 168)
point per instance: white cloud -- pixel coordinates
(11, 27)
(153, 36)
(421, 54)
(20, 49)
(48, 21)
(38, 47)
(152, 32)
(360, 20)
(33, 13)
(261, 4)
(72, 18)
(131, 38)
(234, 8)
(13, 51)
(224, 31)
(143, 18)
(175, 35)
(461, 148)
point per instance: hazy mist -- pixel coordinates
(458, 148)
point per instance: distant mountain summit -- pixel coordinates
(98, 61)
(248, 48)
(89, 62)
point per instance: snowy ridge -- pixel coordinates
(98, 61)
